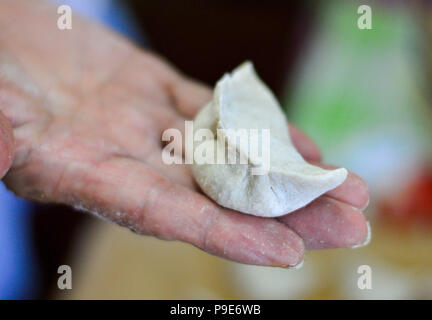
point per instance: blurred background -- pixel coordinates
(363, 95)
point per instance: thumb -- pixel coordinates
(6, 145)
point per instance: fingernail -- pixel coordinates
(368, 237)
(297, 266)
(366, 205)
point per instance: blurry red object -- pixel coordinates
(412, 204)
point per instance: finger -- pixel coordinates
(6, 145)
(304, 145)
(131, 194)
(190, 96)
(328, 223)
(353, 191)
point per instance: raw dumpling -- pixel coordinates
(242, 101)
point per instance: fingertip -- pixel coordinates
(367, 239)
(327, 223)
(353, 191)
(288, 259)
(360, 230)
(297, 266)
(357, 191)
(365, 201)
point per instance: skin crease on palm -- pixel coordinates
(88, 109)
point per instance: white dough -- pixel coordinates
(242, 101)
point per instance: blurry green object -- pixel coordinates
(358, 93)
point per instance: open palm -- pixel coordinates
(88, 110)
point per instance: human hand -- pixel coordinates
(88, 110)
(6, 145)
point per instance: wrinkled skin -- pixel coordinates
(88, 109)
